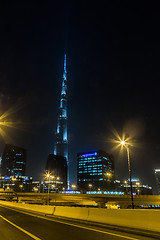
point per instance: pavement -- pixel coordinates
(20, 225)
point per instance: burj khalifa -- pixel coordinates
(61, 141)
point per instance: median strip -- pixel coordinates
(21, 229)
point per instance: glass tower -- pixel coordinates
(13, 161)
(61, 142)
(95, 171)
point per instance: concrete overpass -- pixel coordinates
(62, 199)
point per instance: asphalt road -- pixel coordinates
(18, 225)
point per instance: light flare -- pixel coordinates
(5, 122)
(121, 142)
(5, 135)
(11, 110)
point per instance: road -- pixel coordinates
(20, 225)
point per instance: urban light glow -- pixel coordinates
(109, 174)
(121, 142)
(5, 122)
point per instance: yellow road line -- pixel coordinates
(75, 225)
(26, 232)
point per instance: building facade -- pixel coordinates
(61, 135)
(157, 175)
(57, 166)
(138, 187)
(16, 183)
(13, 161)
(95, 171)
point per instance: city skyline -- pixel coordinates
(112, 69)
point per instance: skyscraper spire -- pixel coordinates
(61, 142)
(64, 62)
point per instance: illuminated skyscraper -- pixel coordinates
(95, 171)
(157, 175)
(13, 161)
(61, 142)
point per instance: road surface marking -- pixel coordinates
(74, 225)
(26, 232)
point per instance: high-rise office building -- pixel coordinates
(57, 166)
(95, 171)
(13, 161)
(61, 142)
(157, 175)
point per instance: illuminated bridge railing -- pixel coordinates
(105, 192)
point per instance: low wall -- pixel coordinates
(142, 219)
(36, 208)
(72, 212)
(138, 218)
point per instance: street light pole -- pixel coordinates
(123, 143)
(90, 186)
(48, 188)
(129, 168)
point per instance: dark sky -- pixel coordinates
(113, 79)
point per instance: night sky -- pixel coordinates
(113, 53)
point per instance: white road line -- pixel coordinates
(74, 225)
(26, 232)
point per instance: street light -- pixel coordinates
(49, 176)
(126, 183)
(35, 189)
(21, 186)
(13, 179)
(123, 143)
(138, 183)
(73, 186)
(90, 186)
(108, 174)
(57, 188)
